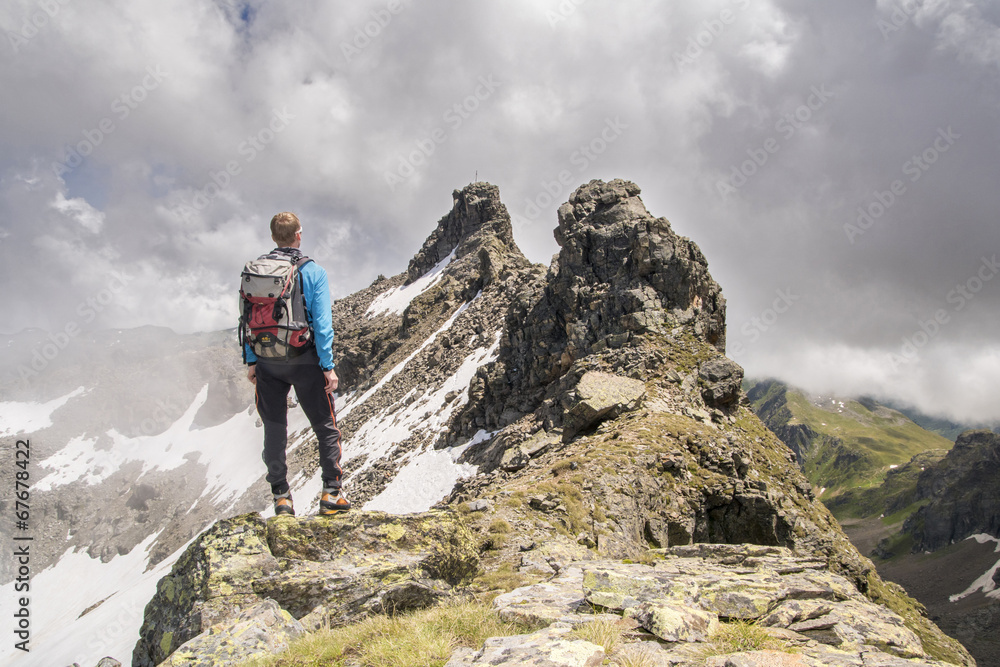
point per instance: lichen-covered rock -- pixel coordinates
(263, 628)
(351, 566)
(720, 581)
(436, 541)
(211, 582)
(676, 622)
(551, 647)
(560, 598)
(683, 597)
(599, 396)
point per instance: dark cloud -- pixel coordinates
(758, 127)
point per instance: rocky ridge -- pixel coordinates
(217, 605)
(604, 420)
(963, 494)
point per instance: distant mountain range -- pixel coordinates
(925, 508)
(841, 443)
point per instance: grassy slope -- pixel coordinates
(857, 444)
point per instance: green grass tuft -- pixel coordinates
(426, 637)
(738, 636)
(604, 632)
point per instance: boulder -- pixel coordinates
(263, 628)
(676, 622)
(599, 396)
(551, 647)
(721, 381)
(359, 564)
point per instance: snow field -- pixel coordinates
(61, 593)
(397, 299)
(17, 417)
(984, 583)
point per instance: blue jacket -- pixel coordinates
(316, 289)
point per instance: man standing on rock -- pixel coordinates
(286, 326)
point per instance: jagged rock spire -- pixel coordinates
(622, 279)
(477, 220)
(643, 276)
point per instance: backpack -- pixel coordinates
(273, 317)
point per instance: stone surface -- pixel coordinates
(599, 396)
(359, 564)
(681, 598)
(557, 599)
(263, 628)
(551, 647)
(676, 622)
(746, 589)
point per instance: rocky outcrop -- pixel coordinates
(597, 397)
(478, 231)
(263, 628)
(686, 593)
(721, 381)
(963, 494)
(244, 585)
(620, 275)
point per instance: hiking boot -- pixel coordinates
(333, 502)
(283, 505)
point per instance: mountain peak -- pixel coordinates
(478, 220)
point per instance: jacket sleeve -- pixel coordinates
(316, 289)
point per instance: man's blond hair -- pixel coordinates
(283, 228)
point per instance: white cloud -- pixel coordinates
(90, 218)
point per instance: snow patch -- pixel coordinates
(481, 436)
(893, 466)
(62, 592)
(353, 403)
(430, 413)
(985, 583)
(426, 479)
(397, 299)
(17, 417)
(229, 451)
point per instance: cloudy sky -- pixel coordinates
(836, 162)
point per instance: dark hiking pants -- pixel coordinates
(273, 383)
